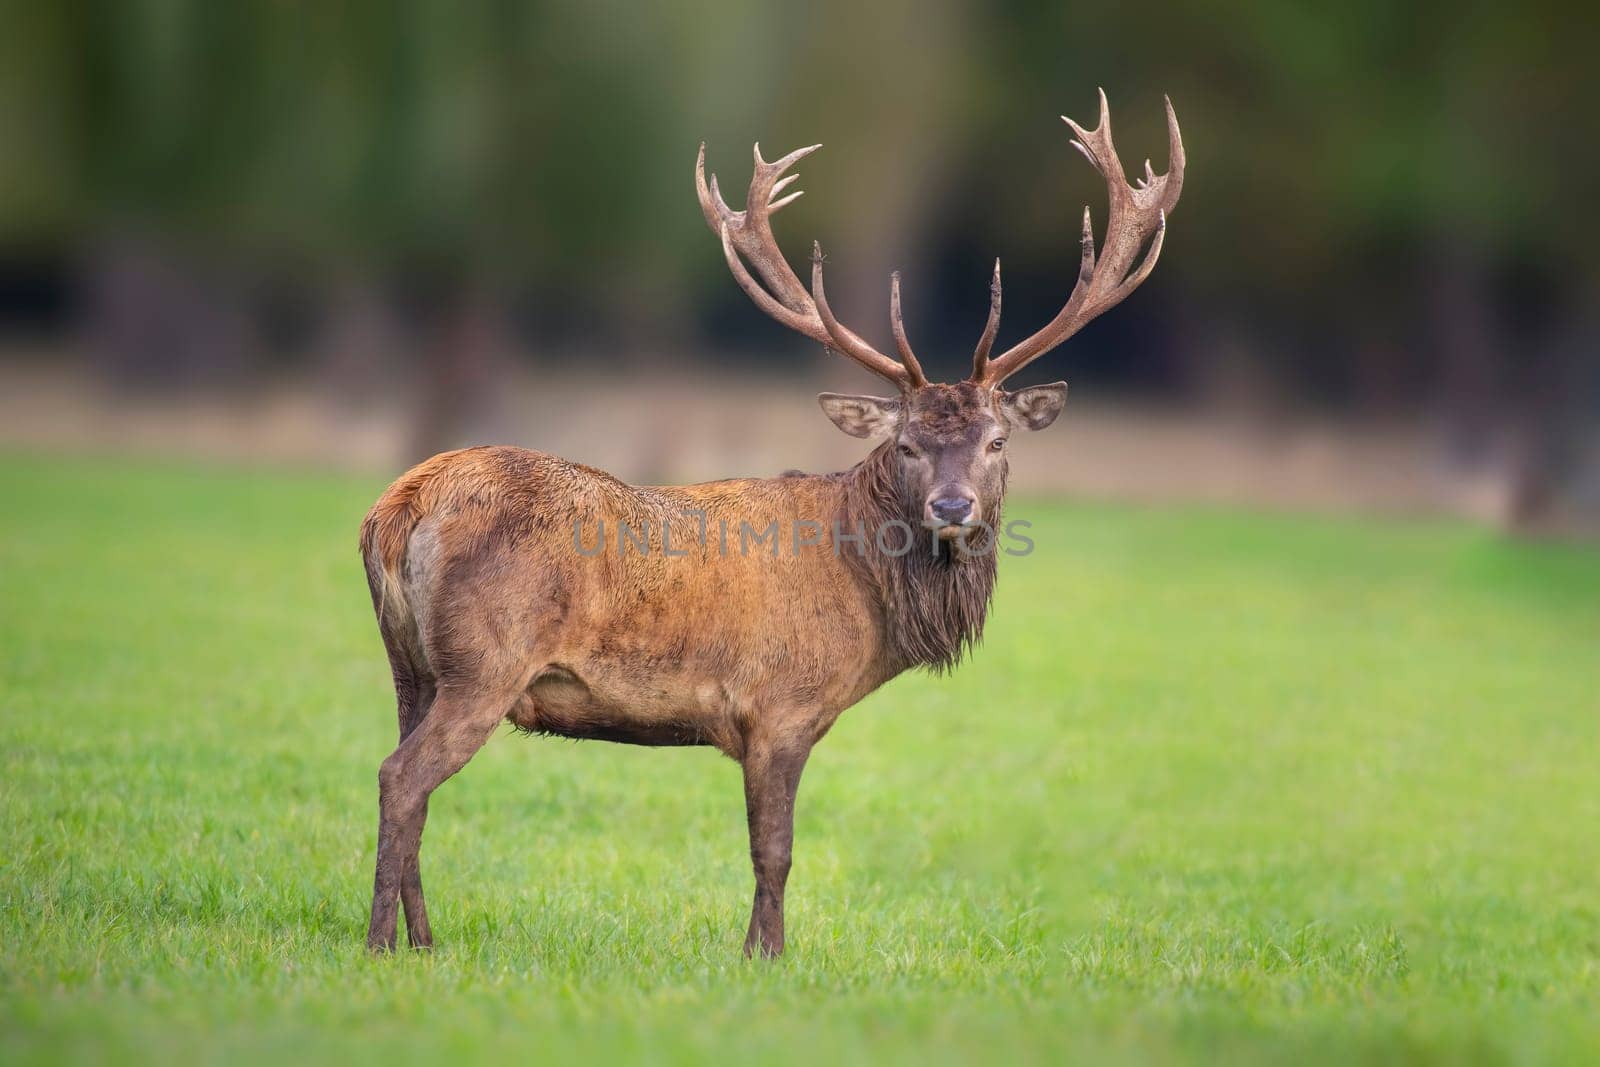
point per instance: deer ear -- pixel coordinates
(861, 416)
(1036, 406)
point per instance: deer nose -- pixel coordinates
(951, 509)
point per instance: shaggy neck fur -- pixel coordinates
(934, 603)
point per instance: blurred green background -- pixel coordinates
(401, 209)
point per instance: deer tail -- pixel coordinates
(386, 534)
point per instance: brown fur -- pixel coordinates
(491, 612)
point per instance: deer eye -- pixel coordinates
(997, 444)
(908, 452)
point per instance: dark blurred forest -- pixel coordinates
(1387, 212)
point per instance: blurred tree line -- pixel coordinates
(1385, 210)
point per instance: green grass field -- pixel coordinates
(1216, 785)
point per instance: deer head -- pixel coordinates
(950, 439)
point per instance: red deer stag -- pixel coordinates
(743, 614)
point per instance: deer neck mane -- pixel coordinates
(933, 603)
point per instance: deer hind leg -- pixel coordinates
(418, 932)
(414, 690)
(771, 780)
(455, 727)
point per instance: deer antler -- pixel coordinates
(1137, 214)
(747, 235)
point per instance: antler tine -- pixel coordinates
(746, 236)
(1148, 264)
(908, 358)
(1175, 156)
(1138, 215)
(774, 204)
(980, 356)
(845, 342)
(1096, 144)
(751, 228)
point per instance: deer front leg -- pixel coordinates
(771, 779)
